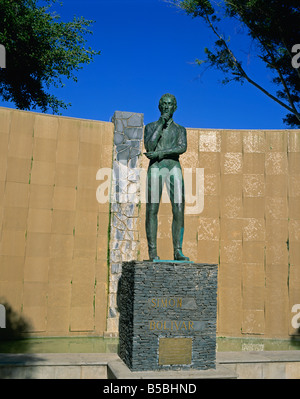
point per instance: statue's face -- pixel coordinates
(167, 107)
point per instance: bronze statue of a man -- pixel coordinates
(165, 141)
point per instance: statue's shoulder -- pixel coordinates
(179, 127)
(151, 126)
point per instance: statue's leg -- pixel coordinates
(154, 191)
(176, 192)
(151, 229)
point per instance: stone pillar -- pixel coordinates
(125, 203)
(168, 313)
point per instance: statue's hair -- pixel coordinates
(169, 96)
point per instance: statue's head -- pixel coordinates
(167, 103)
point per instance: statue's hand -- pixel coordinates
(164, 119)
(152, 155)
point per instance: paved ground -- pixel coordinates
(230, 365)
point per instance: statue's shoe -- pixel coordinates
(153, 255)
(155, 258)
(178, 255)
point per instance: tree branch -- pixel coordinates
(286, 89)
(244, 74)
(273, 64)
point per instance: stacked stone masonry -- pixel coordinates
(167, 301)
(125, 202)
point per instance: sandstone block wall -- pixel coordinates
(53, 232)
(243, 213)
(249, 224)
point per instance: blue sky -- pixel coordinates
(149, 48)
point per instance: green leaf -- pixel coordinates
(41, 51)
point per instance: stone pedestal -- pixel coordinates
(168, 315)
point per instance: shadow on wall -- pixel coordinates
(295, 339)
(12, 335)
(13, 345)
